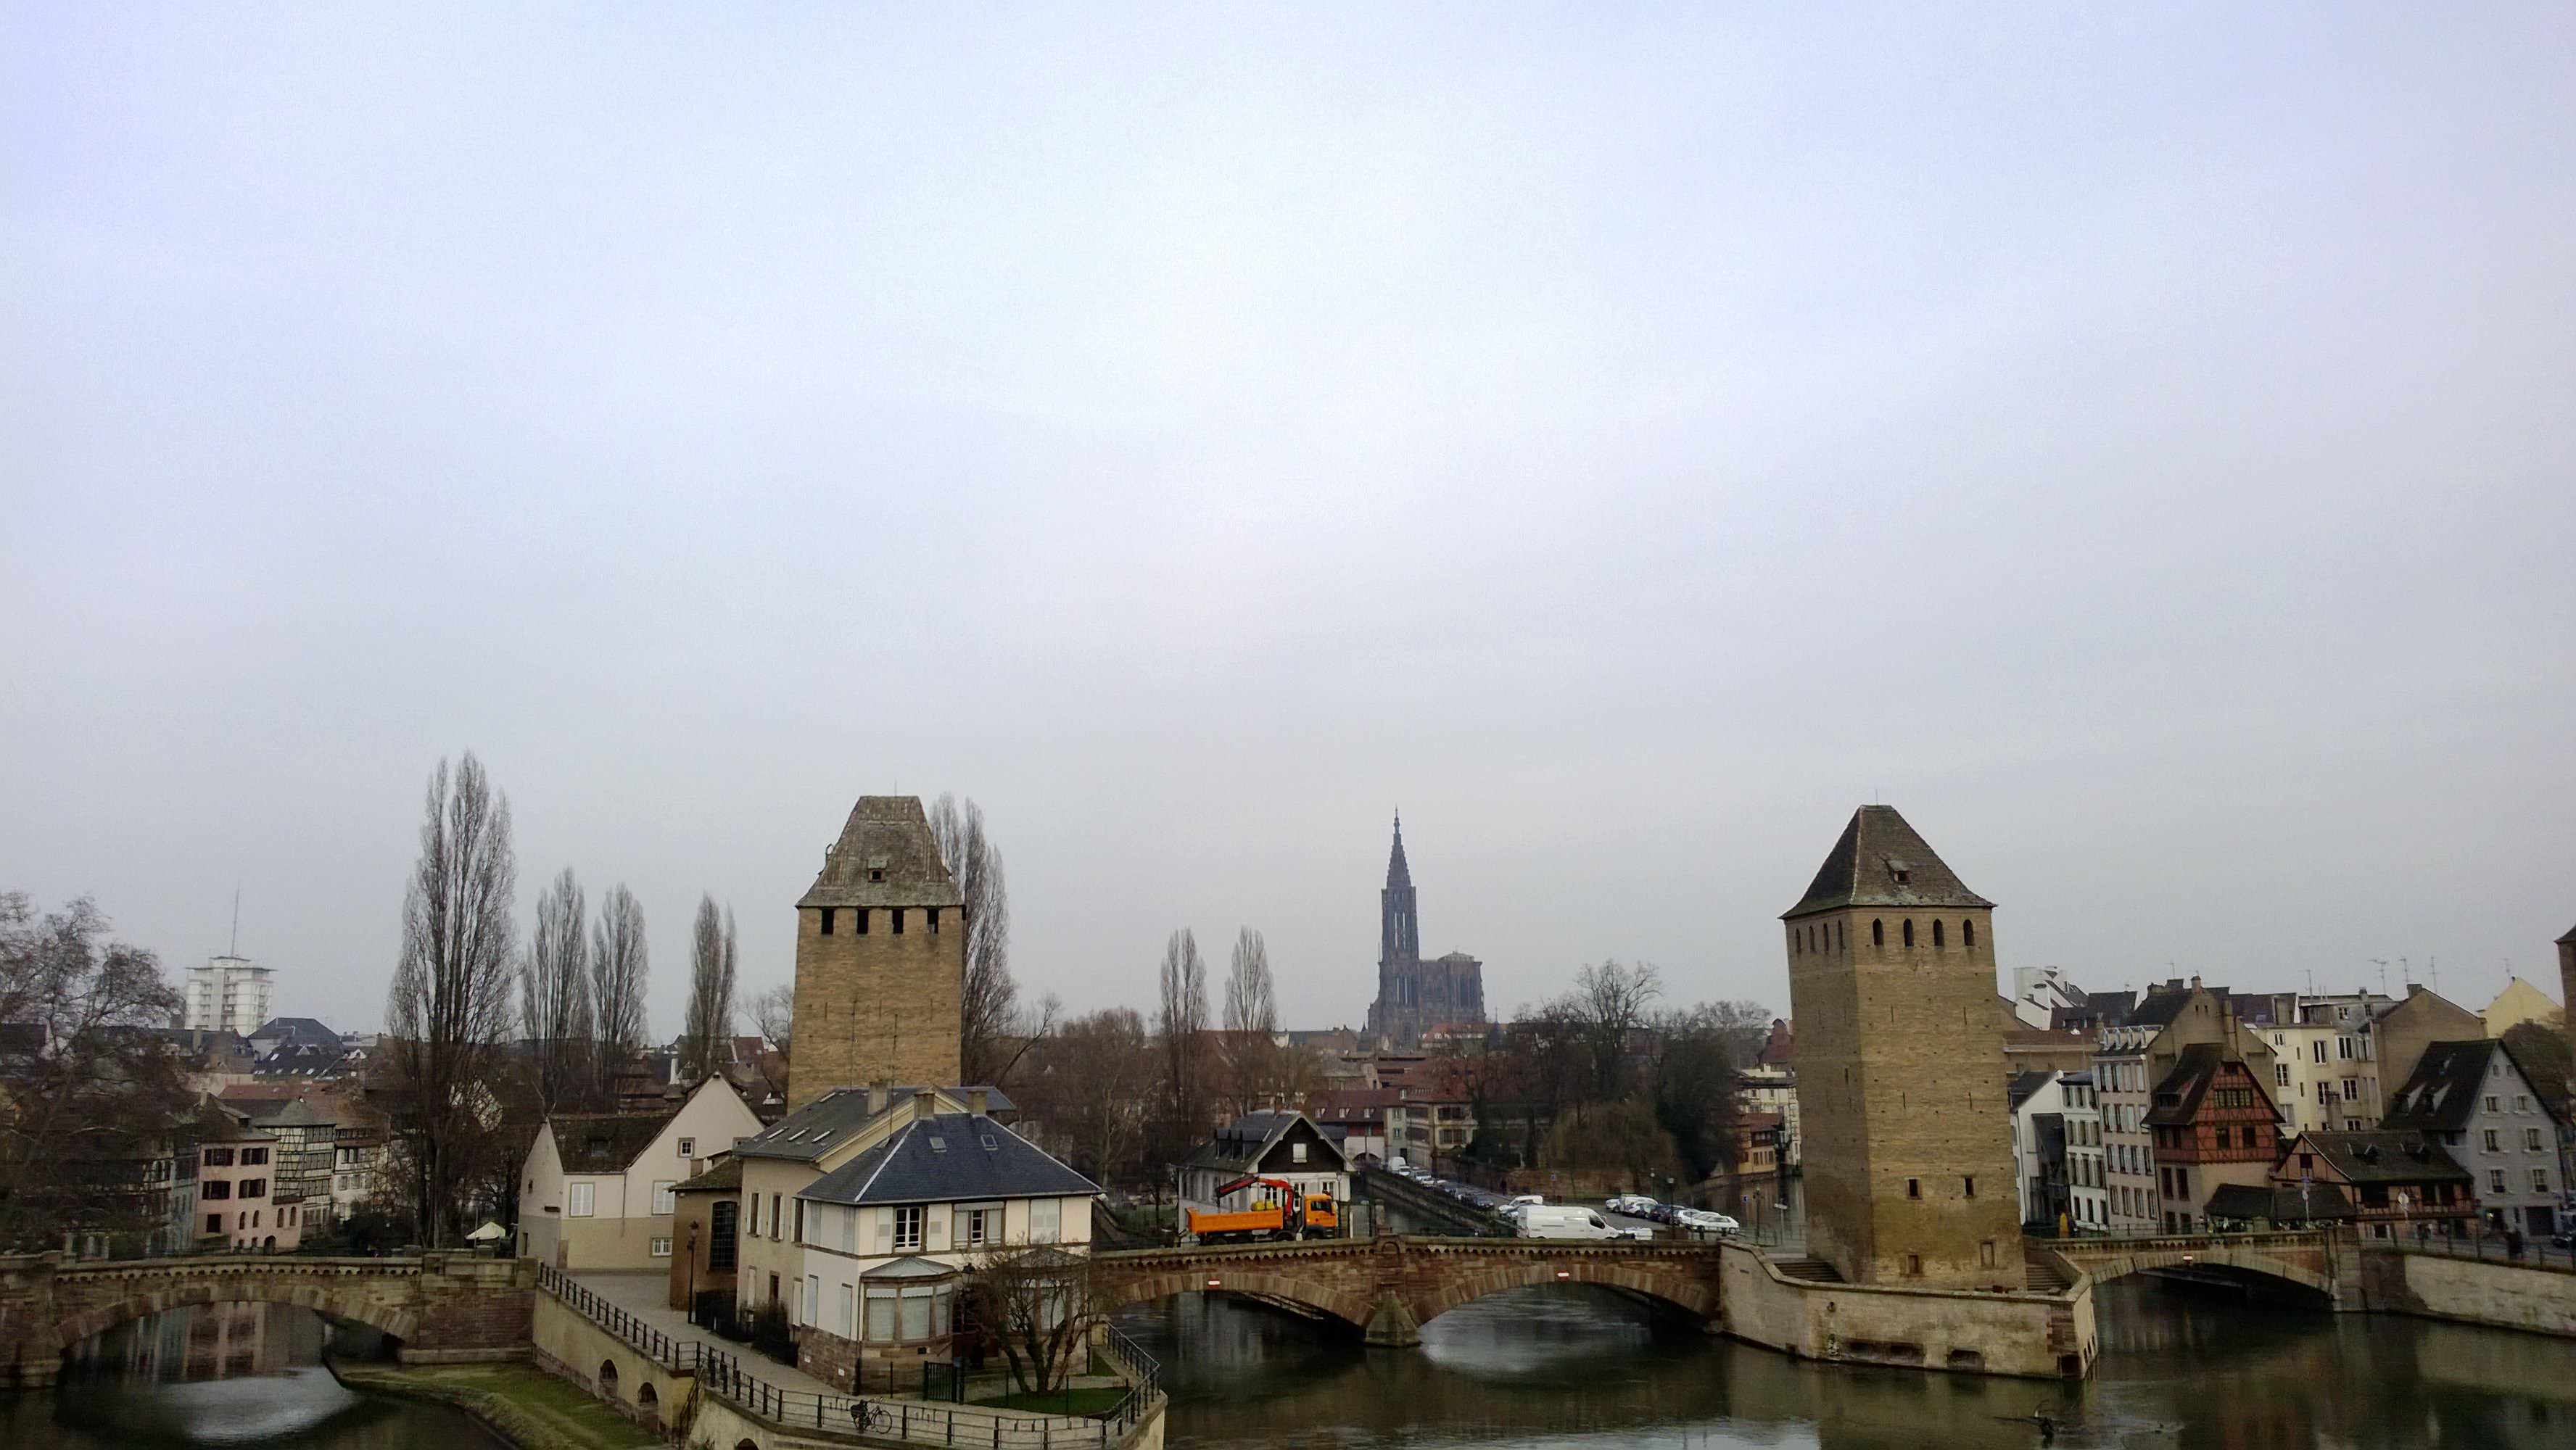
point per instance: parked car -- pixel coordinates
(1635, 1205)
(1703, 1221)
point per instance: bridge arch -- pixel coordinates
(1323, 1298)
(351, 1305)
(1687, 1293)
(2110, 1267)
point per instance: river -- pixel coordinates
(234, 1375)
(1534, 1369)
(1538, 1369)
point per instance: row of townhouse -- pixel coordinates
(2200, 1106)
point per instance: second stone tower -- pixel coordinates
(880, 959)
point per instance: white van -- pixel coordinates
(1558, 1221)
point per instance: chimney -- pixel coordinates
(2414, 989)
(876, 1098)
(925, 1105)
(979, 1101)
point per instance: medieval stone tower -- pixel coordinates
(1908, 1148)
(880, 958)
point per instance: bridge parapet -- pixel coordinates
(438, 1307)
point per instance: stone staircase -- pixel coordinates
(2041, 1276)
(1813, 1270)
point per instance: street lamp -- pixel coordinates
(693, 1271)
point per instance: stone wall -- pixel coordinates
(2049, 1336)
(2506, 1296)
(879, 1007)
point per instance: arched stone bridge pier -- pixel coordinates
(438, 1307)
(1388, 1288)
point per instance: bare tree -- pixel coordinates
(90, 1095)
(1610, 1001)
(450, 1005)
(618, 966)
(773, 1016)
(1041, 1306)
(1251, 1022)
(990, 1002)
(1092, 1084)
(1180, 1029)
(554, 998)
(710, 1021)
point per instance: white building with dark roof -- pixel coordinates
(884, 1239)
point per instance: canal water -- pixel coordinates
(1539, 1369)
(1534, 1369)
(235, 1375)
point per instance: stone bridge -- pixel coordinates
(2322, 1260)
(439, 1307)
(1388, 1288)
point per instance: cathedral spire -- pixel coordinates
(1399, 937)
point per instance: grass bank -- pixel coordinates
(522, 1404)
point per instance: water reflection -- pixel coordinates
(1580, 1366)
(225, 1375)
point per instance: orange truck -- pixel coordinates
(1291, 1216)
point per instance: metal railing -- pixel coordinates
(911, 1421)
(916, 1422)
(653, 1343)
(2492, 1248)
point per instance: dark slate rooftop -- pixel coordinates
(828, 1122)
(1880, 861)
(604, 1142)
(2382, 1156)
(1241, 1144)
(298, 1029)
(2194, 1071)
(2288, 1203)
(2019, 1087)
(886, 856)
(725, 1177)
(950, 1157)
(2441, 1094)
(2159, 1007)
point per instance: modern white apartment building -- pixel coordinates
(227, 994)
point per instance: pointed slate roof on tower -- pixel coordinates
(2569, 939)
(1881, 862)
(1397, 873)
(886, 857)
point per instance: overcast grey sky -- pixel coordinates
(2136, 442)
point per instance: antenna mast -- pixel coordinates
(235, 949)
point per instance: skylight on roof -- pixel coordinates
(938, 1144)
(989, 1143)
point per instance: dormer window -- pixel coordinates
(876, 873)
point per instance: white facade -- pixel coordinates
(1768, 1089)
(227, 994)
(2325, 1071)
(2037, 991)
(582, 1216)
(2121, 1093)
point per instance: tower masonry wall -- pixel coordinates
(878, 1006)
(1901, 1076)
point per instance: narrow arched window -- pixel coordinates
(1937, 942)
(1909, 933)
(1877, 933)
(1967, 933)
(827, 921)
(1838, 935)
